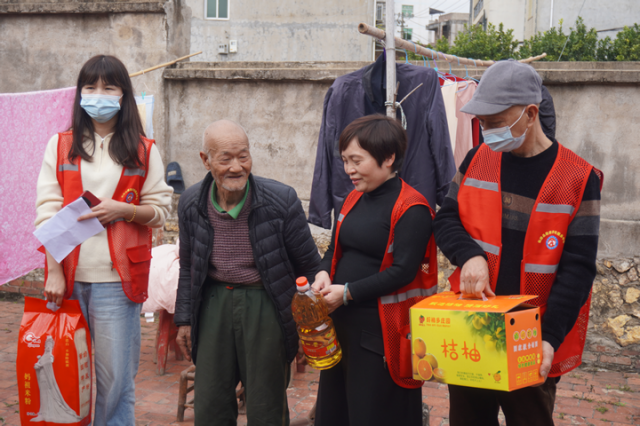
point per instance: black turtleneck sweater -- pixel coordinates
(363, 238)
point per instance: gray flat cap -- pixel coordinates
(503, 85)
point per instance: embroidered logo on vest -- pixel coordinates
(130, 195)
(552, 242)
(547, 236)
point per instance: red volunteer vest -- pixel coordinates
(480, 207)
(129, 243)
(394, 307)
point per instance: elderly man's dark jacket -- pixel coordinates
(283, 250)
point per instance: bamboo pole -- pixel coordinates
(390, 50)
(429, 53)
(135, 74)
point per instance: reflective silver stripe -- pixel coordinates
(416, 292)
(390, 248)
(134, 172)
(68, 168)
(540, 269)
(117, 220)
(482, 184)
(489, 248)
(340, 217)
(555, 208)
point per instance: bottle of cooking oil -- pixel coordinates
(315, 327)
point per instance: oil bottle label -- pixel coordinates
(318, 350)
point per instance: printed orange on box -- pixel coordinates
(494, 344)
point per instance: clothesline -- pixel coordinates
(430, 53)
(166, 64)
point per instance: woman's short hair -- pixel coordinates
(123, 147)
(379, 135)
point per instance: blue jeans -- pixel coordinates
(114, 322)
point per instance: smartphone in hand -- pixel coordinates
(90, 199)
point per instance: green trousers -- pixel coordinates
(240, 339)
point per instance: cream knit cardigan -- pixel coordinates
(100, 176)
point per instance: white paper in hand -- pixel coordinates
(62, 233)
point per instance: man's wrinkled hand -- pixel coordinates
(474, 278)
(547, 360)
(184, 340)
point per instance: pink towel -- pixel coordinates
(464, 134)
(27, 122)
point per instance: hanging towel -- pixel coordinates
(27, 121)
(145, 109)
(464, 133)
(449, 97)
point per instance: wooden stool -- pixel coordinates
(301, 362)
(165, 338)
(189, 375)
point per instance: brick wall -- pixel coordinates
(24, 287)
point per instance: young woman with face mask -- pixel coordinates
(106, 153)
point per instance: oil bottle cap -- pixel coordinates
(302, 284)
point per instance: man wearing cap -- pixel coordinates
(522, 217)
(244, 240)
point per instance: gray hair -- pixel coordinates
(204, 134)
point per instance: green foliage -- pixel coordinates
(580, 44)
(626, 46)
(493, 44)
(442, 45)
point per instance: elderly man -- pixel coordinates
(522, 217)
(243, 241)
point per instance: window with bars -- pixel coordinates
(216, 9)
(407, 33)
(407, 10)
(381, 11)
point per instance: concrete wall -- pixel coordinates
(280, 105)
(43, 46)
(287, 30)
(508, 12)
(449, 25)
(598, 14)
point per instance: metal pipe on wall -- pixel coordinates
(390, 49)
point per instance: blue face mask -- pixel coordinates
(101, 108)
(501, 139)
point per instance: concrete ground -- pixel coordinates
(584, 397)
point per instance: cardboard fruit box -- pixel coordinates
(494, 344)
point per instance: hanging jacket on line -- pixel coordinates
(428, 166)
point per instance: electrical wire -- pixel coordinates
(567, 40)
(452, 8)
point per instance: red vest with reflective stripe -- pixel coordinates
(129, 243)
(394, 307)
(480, 207)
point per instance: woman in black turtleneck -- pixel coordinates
(360, 390)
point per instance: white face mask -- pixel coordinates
(101, 108)
(501, 139)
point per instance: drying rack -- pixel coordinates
(391, 43)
